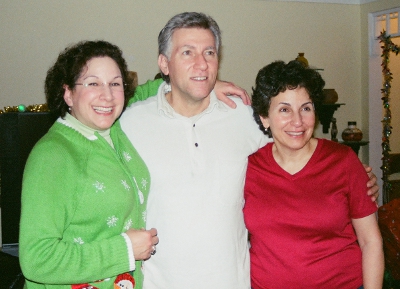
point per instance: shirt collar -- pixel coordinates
(165, 108)
(86, 131)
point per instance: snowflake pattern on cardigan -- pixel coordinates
(97, 199)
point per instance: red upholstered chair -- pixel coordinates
(389, 224)
(394, 176)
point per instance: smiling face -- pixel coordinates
(192, 66)
(291, 118)
(97, 106)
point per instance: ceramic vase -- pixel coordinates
(352, 133)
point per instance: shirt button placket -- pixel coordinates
(196, 143)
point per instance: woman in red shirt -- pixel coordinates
(310, 220)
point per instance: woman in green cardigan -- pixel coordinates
(85, 187)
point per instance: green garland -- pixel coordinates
(387, 47)
(23, 108)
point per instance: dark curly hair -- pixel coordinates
(277, 77)
(69, 66)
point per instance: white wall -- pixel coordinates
(254, 34)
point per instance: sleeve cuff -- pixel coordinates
(131, 257)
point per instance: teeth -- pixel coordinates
(295, 133)
(200, 78)
(100, 108)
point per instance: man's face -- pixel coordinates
(193, 65)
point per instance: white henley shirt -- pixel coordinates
(197, 167)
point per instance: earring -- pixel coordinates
(167, 88)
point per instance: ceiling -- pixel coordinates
(329, 1)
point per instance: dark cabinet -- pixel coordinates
(19, 132)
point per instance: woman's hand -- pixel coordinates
(224, 88)
(143, 242)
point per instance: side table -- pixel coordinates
(355, 145)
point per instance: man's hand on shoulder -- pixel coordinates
(373, 189)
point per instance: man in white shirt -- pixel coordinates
(196, 149)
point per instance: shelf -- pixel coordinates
(325, 113)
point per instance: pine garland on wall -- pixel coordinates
(387, 47)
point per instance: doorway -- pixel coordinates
(377, 22)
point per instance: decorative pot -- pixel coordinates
(352, 133)
(300, 58)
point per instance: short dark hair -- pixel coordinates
(277, 77)
(186, 20)
(69, 66)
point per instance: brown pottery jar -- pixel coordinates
(352, 133)
(330, 96)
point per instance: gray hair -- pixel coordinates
(186, 20)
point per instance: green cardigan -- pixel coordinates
(78, 196)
